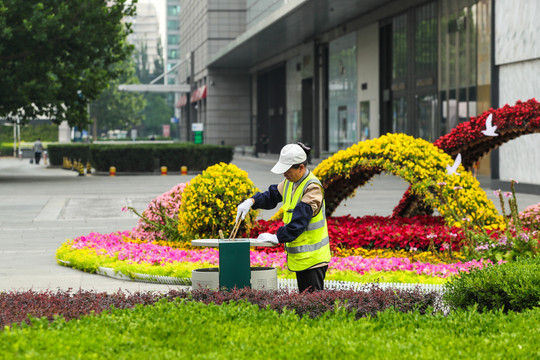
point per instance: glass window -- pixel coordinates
(173, 39)
(173, 10)
(173, 25)
(173, 54)
(425, 39)
(342, 81)
(399, 46)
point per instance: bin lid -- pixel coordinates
(215, 242)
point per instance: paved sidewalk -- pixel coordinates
(41, 207)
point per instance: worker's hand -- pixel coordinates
(243, 209)
(268, 237)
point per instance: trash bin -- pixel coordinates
(205, 279)
(262, 278)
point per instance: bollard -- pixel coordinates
(112, 171)
(163, 170)
(81, 168)
(183, 170)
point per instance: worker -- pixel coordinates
(305, 232)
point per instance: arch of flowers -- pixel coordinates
(418, 162)
(468, 140)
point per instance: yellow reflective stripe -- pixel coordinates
(307, 248)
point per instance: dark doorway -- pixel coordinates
(271, 111)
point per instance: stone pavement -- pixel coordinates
(41, 207)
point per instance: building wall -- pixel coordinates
(206, 27)
(228, 119)
(368, 74)
(257, 10)
(517, 54)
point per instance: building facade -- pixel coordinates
(331, 73)
(145, 35)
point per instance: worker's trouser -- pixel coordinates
(311, 279)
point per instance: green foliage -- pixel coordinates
(56, 56)
(57, 152)
(183, 329)
(115, 109)
(511, 286)
(156, 113)
(126, 158)
(6, 150)
(142, 157)
(30, 133)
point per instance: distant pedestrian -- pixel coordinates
(38, 150)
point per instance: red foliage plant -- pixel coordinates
(18, 307)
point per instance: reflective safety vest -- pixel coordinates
(312, 247)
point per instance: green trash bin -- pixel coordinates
(234, 264)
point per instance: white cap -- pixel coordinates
(290, 155)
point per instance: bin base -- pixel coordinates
(262, 278)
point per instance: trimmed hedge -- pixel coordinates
(513, 286)
(57, 152)
(142, 157)
(191, 330)
(6, 150)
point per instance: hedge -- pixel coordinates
(513, 286)
(192, 330)
(142, 157)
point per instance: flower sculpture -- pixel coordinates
(470, 140)
(415, 160)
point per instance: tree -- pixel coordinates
(116, 109)
(56, 56)
(156, 114)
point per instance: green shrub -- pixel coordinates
(141, 157)
(6, 150)
(57, 152)
(191, 330)
(149, 157)
(126, 158)
(511, 286)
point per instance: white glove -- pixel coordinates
(268, 237)
(243, 209)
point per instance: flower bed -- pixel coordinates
(115, 250)
(378, 232)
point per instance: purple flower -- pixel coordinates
(482, 247)
(524, 236)
(458, 188)
(507, 194)
(442, 183)
(497, 192)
